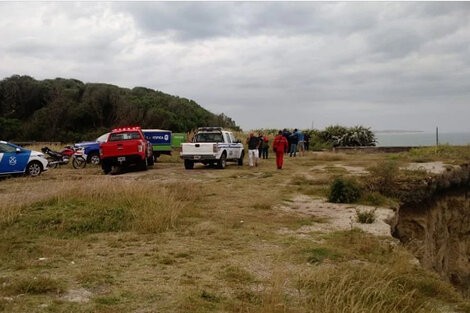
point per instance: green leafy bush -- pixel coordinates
(374, 198)
(349, 137)
(344, 191)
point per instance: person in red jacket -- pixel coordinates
(279, 145)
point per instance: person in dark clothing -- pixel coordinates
(307, 141)
(260, 139)
(265, 147)
(286, 134)
(294, 140)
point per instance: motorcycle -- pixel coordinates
(62, 158)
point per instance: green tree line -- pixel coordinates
(69, 110)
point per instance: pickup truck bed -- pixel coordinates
(125, 147)
(212, 146)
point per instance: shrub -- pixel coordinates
(344, 191)
(353, 136)
(366, 216)
(332, 132)
(384, 177)
(374, 198)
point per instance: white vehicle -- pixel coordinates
(17, 160)
(212, 146)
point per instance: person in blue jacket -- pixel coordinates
(294, 140)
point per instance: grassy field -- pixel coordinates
(205, 240)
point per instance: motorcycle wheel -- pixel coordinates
(79, 162)
(53, 165)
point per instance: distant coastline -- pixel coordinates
(397, 131)
(420, 138)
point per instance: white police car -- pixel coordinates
(15, 160)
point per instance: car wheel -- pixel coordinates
(115, 169)
(222, 162)
(150, 161)
(144, 164)
(94, 158)
(106, 167)
(240, 160)
(33, 168)
(189, 165)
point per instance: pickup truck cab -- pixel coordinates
(212, 146)
(124, 147)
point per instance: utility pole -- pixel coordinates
(437, 138)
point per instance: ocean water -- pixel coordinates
(422, 139)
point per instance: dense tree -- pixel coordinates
(69, 110)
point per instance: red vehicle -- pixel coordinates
(125, 147)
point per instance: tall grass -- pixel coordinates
(357, 289)
(442, 152)
(103, 205)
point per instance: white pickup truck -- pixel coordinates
(212, 146)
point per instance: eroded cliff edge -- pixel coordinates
(434, 222)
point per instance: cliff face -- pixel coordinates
(438, 232)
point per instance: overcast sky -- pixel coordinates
(384, 65)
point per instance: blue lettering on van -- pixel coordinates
(158, 138)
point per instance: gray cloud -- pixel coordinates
(386, 65)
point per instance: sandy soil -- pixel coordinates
(334, 216)
(431, 167)
(355, 170)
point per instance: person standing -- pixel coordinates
(260, 149)
(253, 146)
(307, 141)
(265, 147)
(300, 144)
(279, 146)
(286, 135)
(294, 140)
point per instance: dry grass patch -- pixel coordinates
(93, 278)
(358, 289)
(32, 285)
(328, 156)
(236, 274)
(264, 204)
(103, 205)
